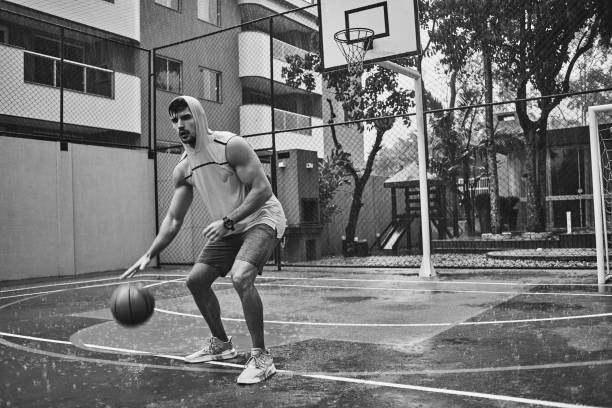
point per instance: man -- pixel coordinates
(249, 221)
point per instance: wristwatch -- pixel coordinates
(228, 223)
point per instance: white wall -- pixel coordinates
(42, 102)
(120, 16)
(89, 209)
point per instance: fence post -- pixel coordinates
(153, 148)
(63, 142)
(273, 174)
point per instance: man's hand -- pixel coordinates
(138, 266)
(215, 231)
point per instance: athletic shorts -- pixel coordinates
(254, 246)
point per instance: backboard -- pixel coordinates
(394, 22)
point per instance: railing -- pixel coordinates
(289, 120)
(281, 50)
(44, 69)
(480, 186)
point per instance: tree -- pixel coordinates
(542, 43)
(535, 44)
(465, 30)
(377, 102)
(593, 73)
(455, 141)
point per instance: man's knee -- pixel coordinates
(243, 276)
(200, 278)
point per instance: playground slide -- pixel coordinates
(394, 236)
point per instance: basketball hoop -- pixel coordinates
(354, 44)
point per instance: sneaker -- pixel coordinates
(215, 349)
(258, 368)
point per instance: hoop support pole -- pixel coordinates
(427, 269)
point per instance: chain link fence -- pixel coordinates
(508, 163)
(315, 153)
(64, 84)
(342, 155)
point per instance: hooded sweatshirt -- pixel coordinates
(216, 180)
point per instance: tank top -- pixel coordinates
(220, 188)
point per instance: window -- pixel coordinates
(51, 46)
(210, 85)
(168, 75)
(310, 210)
(3, 34)
(43, 66)
(172, 4)
(208, 10)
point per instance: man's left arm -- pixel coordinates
(249, 170)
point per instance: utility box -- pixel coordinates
(298, 191)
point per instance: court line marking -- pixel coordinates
(56, 284)
(75, 358)
(530, 367)
(443, 324)
(495, 397)
(492, 292)
(435, 282)
(323, 287)
(21, 336)
(47, 292)
(130, 351)
(474, 323)
(343, 373)
(415, 290)
(164, 282)
(447, 391)
(184, 276)
(445, 282)
(336, 378)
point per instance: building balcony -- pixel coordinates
(255, 119)
(254, 58)
(306, 17)
(118, 17)
(94, 97)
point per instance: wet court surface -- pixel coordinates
(339, 339)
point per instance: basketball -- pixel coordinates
(132, 305)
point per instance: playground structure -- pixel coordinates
(401, 224)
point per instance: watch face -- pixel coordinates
(228, 223)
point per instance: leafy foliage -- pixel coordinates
(332, 175)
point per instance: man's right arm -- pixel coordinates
(171, 225)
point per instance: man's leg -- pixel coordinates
(199, 283)
(243, 276)
(260, 365)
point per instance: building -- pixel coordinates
(123, 61)
(72, 192)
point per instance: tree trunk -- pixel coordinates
(541, 170)
(382, 126)
(453, 203)
(491, 153)
(356, 204)
(467, 197)
(531, 180)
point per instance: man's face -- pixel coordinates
(185, 126)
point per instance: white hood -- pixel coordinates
(204, 134)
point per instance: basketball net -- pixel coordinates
(354, 43)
